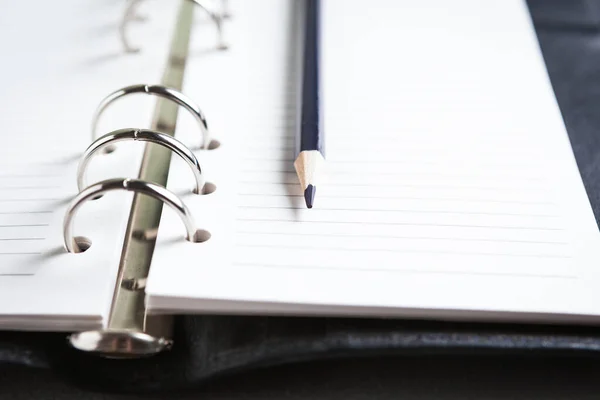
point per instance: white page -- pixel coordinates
(59, 60)
(451, 191)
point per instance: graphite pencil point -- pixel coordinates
(309, 195)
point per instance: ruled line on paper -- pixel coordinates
(274, 148)
(392, 174)
(395, 161)
(401, 251)
(337, 170)
(405, 270)
(35, 187)
(34, 199)
(356, 140)
(401, 224)
(276, 139)
(286, 171)
(33, 175)
(290, 160)
(280, 132)
(330, 184)
(515, 166)
(408, 237)
(409, 137)
(21, 239)
(316, 210)
(24, 212)
(21, 225)
(470, 200)
(20, 253)
(279, 144)
(18, 163)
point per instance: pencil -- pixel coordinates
(311, 146)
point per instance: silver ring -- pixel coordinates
(130, 15)
(130, 185)
(160, 91)
(144, 135)
(217, 20)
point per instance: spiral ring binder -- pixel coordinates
(130, 15)
(130, 331)
(143, 135)
(160, 91)
(130, 185)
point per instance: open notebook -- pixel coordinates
(451, 191)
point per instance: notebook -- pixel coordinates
(451, 189)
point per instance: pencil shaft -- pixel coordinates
(311, 149)
(311, 134)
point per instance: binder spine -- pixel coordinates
(130, 330)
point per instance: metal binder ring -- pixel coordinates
(130, 15)
(130, 185)
(144, 135)
(160, 91)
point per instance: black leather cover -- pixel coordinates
(206, 346)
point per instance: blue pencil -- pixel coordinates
(311, 146)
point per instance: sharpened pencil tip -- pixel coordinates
(309, 195)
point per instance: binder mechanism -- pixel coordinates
(130, 331)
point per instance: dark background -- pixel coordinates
(569, 33)
(423, 377)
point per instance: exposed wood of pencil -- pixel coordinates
(309, 165)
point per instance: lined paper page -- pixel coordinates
(54, 77)
(451, 184)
